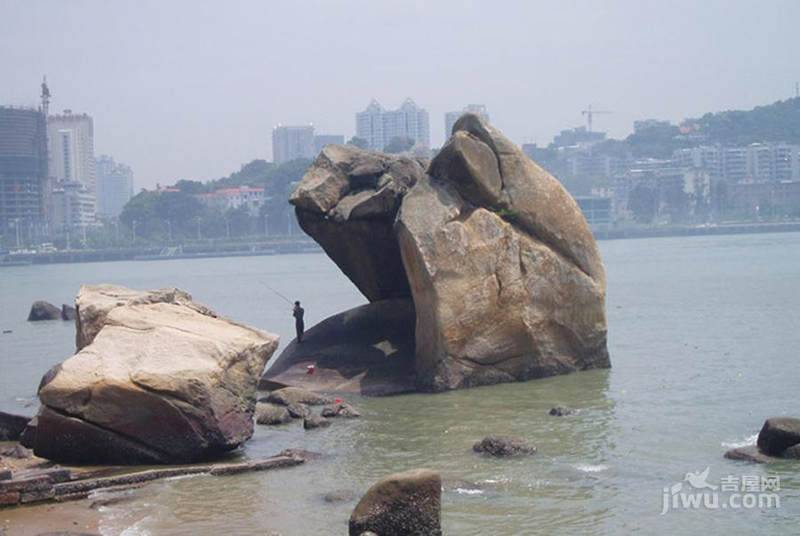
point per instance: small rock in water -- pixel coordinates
(297, 395)
(42, 310)
(300, 453)
(298, 411)
(272, 414)
(342, 409)
(339, 495)
(561, 411)
(401, 504)
(778, 434)
(503, 446)
(312, 421)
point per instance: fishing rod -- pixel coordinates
(284, 298)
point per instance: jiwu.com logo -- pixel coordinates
(729, 492)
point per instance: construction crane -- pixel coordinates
(589, 113)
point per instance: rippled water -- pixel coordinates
(703, 335)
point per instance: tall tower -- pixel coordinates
(45, 98)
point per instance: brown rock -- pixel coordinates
(271, 414)
(401, 504)
(9, 498)
(502, 446)
(505, 276)
(121, 401)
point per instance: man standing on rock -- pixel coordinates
(299, 326)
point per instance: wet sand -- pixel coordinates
(75, 517)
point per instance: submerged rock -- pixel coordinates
(778, 434)
(272, 414)
(561, 411)
(42, 310)
(498, 266)
(12, 426)
(502, 446)
(159, 379)
(315, 421)
(342, 409)
(401, 504)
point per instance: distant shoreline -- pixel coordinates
(157, 253)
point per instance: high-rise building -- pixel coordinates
(24, 184)
(73, 206)
(71, 140)
(291, 143)
(321, 140)
(114, 186)
(450, 118)
(379, 126)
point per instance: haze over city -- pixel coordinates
(192, 90)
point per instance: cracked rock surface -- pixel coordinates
(158, 379)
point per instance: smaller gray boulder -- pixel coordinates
(297, 395)
(314, 421)
(298, 411)
(42, 310)
(272, 414)
(402, 504)
(778, 434)
(11, 426)
(502, 446)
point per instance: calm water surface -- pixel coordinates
(704, 335)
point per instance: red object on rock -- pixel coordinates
(310, 369)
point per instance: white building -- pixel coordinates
(71, 148)
(379, 126)
(114, 186)
(292, 142)
(73, 206)
(757, 162)
(232, 198)
(450, 118)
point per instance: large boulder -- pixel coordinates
(42, 310)
(505, 277)
(156, 381)
(402, 504)
(778, 434)
(367, 350)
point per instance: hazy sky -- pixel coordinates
(192, 89)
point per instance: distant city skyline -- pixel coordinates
(180, 104)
